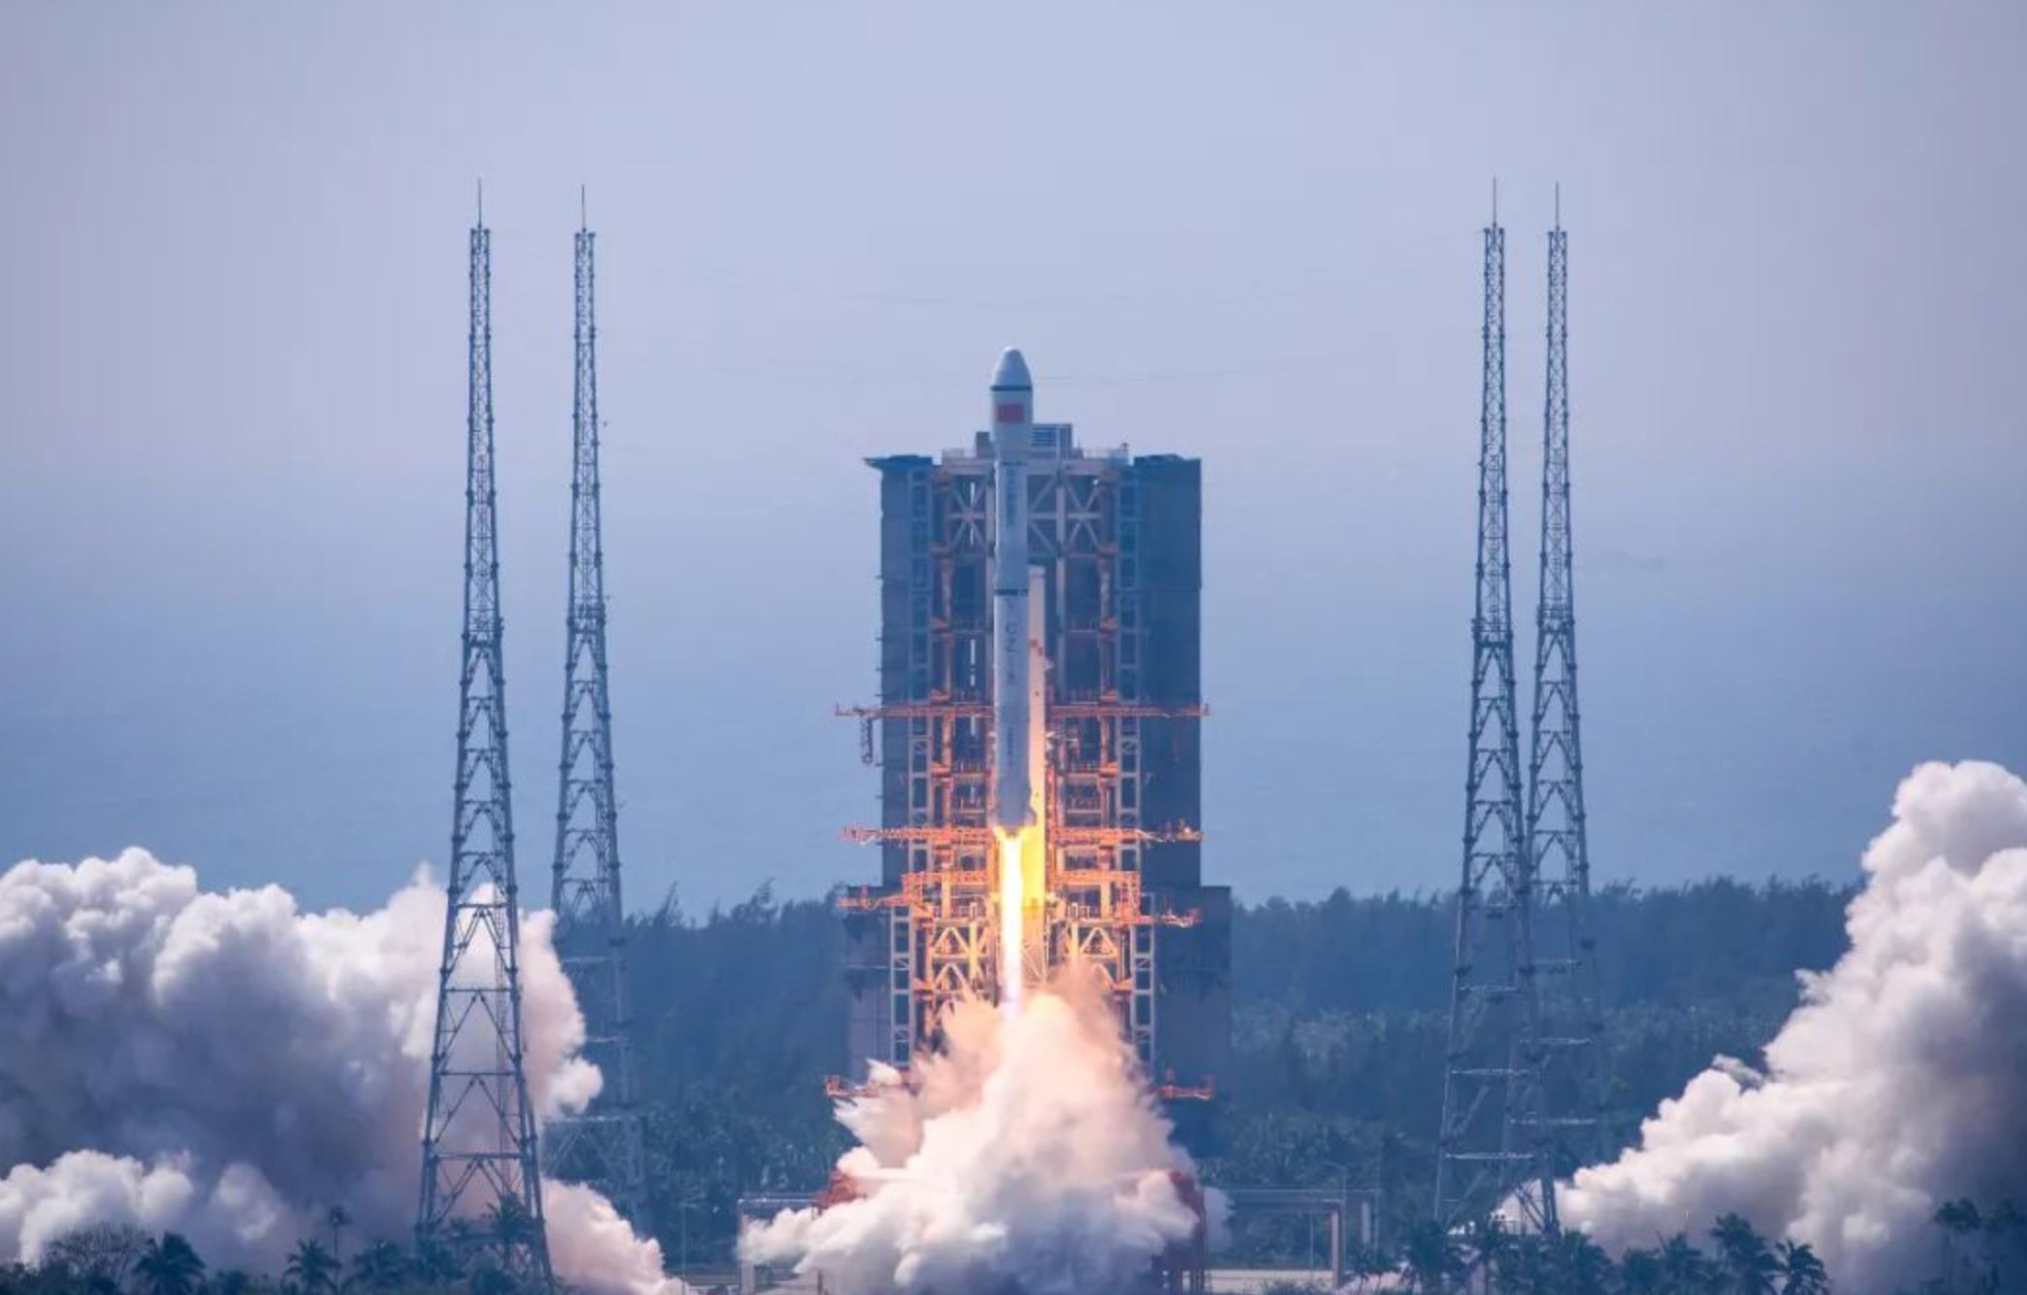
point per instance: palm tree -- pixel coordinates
(509, 1223)
(436, 1264)
(1747, 1261)
(1529, 1267)
(1640, 1272)
(1431, 1257)
(233, 1281)
(1580, 1267)
(1684, 1269)
(1488, 1247)
(337, 1218)
(380, 1266)
(1366, 1264)
(1802, 1273)
(311, 1269)
(170, 1266)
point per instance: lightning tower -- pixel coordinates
(1490, 1146)
(603, 1145)
(481, 1185)
(1572, 1039)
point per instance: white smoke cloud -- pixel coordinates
(229, 1067)
(1899, 1083)
(1028, 1156)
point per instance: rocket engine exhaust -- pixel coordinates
(1012, 926)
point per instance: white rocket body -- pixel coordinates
(1016, 681)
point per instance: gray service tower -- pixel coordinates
(1114, 875)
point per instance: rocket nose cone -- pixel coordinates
(1012, 373)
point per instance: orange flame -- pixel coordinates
(1010, 921)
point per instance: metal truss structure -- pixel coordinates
(481, 1184)
(934, 728)
(603, 1145)
(1491, 1146)
(1577, 1127)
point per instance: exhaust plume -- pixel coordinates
(229, 1067)
(1898, 1084)
(1027, 1155)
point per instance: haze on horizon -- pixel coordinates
(232, 402)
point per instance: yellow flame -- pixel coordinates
(1011, 921)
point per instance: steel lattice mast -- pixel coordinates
(1573, 1049)
(1489, 1147)
(481, 1183)
(602, 1146)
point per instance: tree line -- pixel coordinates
(118, 1259)
(1982, 1252)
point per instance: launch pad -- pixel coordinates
(1038, 739)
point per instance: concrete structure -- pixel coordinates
(1114, 566)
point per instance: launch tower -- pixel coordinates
(1038, 738)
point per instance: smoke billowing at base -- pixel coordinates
(1900, 1083)
(227, 1067)
(1027, 1155)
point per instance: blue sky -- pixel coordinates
(231, 397)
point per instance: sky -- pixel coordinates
(232, 331)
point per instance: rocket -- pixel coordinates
(1016, 717)
(1019, 697)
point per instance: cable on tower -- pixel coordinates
(602, 1146)
(481, 1181)
(1489, 1150)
